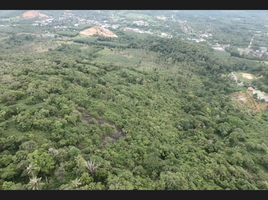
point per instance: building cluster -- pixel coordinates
(137, 30)
(141, 23)
(220, 47)
(206, 35)
(258, 53)
(115, 26)
(43, 22)
(259, 94)
(164, 35)
(196, 40)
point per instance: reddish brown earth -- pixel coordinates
(32, 14)
(97, 30)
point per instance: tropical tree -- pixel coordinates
(91, 166)
(35, 183)
(31, 168)
(76, 183)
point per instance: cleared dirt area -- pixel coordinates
(32, 14)
(246, 99)
(97, 30)
(111, 138)
(41, 50)
(161, 18)
(248, 76)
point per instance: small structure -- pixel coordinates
(50, 36)
(240, 84)
(163, 35)
(263, 49)
(115, 26)
(251, 88)
(259, 94)
(140, 23)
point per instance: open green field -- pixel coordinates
(239, 75)
(137, 16)
(9, 19)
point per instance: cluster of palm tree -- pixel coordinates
(35, 183)
(92, 167)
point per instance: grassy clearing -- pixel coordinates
(137, 16)
(9, 19)
(242, 79)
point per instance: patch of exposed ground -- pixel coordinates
(107, 139)
(247, 100)
(161, 18)
(41, 50)
(248, 76)
(97, 30)
(32, 14)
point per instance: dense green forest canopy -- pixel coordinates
(126, 113)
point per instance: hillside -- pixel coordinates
(33, 14)
(97, 30)
(127, 112)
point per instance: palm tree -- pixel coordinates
(91, 166)
(76, 183)
(31, 168)
(35, 183)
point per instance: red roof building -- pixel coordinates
(250, 88)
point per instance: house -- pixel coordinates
(163, 35)
(50, 36)
(218, 48)
(263, 49)
(140, 23)
(259, 94)
(76, 24)
(115, 26)
(106, 25)
(251, 88)
(265, 98)
(169, 36)
(128, 29)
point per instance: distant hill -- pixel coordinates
(97, 30)
(32, 14)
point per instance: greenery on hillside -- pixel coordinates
(166, 100)
(129, 113)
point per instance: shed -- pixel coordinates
(251, 88)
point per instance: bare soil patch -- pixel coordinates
(248, 76)
(113, 137)
(97, 30)
(247, 100)
(32, 14)
(41, 50)
(161, 18)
